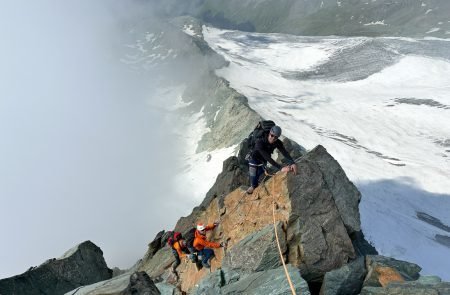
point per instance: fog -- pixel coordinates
(83, 155)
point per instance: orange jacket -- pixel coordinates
(179, 245)
(200, 241)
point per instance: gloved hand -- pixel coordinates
(223, 244)
(216, 223)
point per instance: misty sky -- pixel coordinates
(83, 156)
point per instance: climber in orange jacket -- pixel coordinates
(203, 246)
(179, 250)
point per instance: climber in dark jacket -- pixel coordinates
(262, 153)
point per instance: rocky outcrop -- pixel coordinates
(257, 252)
(344, 192)
(383, 270)
(129, 283)
(140, 283)
(380, 275)
(409, 288)
(82, 265)
(156, 266)
(273, 281)
(234, 174)
(361, 245)
(155, 245)
(311, 227)
(317, 236)
(347, 280)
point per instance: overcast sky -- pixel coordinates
(82, 155)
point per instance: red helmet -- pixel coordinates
(177, 236)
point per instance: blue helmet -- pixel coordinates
(276, 130)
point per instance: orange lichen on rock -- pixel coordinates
(387, 275)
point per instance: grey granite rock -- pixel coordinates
(347, 280)
(257, 252)
(81, 265)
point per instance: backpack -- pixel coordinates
(177, 236)
(170, 242)
(174, 237)
(189, 237)
(261, 130)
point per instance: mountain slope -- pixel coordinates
(417, 18)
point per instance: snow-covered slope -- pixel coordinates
(380, 106)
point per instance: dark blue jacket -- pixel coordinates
(262, 152)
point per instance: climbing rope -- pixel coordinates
(277, 239)
(291, 285)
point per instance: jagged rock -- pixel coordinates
(108, 287)
(228, 281)
(168, 289)
(376, 267)
(229, 276)
(409, 288)
(361, 246)
(81, 265)
(140, 283)
(117, 271)
(154, 245)
(126, 284)
(318, 241)
(344, 192)
(430, 280)
(258, 251)
(347, 280)
(162, 260)
(210, 285)
(271, 281)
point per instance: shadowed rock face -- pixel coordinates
(345, 280)
(344, 192)
(140, 283)
(82, 265)
(317, 237)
